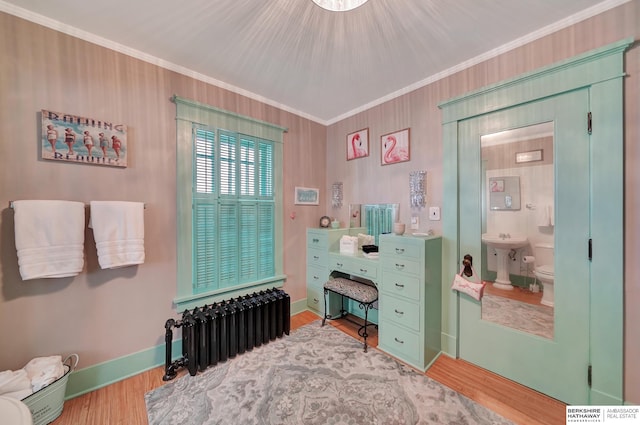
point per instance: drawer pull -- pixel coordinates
(399, 285)
(316, 278)
(315, 300)
(363, 270)
(399, 250)
(339, 264)
(399, 266)
(399, 341)
(315, 240)
(399, 312)
(315, 257)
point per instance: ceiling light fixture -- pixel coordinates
(339, 5)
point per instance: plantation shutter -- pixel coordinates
(233, 209)
(204, 211)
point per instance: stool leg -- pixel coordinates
(364, 331)
(324, 316)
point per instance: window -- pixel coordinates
(229, 204)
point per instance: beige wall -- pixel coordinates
(366, 181)
(102, 314)
(105, 314)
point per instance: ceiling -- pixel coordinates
(321, 65)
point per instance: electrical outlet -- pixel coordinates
(434, 213)
(415, 222)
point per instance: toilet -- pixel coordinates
(544, 271)
(14, 412)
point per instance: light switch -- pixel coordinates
(434, 213)
(415, 222)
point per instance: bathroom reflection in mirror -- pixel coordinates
(518, 228)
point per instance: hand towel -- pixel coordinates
(544, 216)
(118, 229)
(49, 238)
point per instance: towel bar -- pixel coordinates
(86, 205)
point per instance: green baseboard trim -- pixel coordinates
(449, 345)
(599, 398)
(299, 306)
(102, 374)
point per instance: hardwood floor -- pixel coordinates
(122, 403)
(518, 294)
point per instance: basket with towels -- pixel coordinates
(41, 385)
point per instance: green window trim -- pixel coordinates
(229, 172)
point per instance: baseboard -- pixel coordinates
(449, 345)
(102, 374)
(299, 306)
(599, 398)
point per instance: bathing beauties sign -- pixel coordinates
(92, 141)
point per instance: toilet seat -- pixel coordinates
(15, 412)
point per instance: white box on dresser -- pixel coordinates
(410, 298)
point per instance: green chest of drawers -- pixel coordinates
(410, 298)
(319, 243)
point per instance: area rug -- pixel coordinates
(534, 319)
(316, 375)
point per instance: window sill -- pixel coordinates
(187, 302)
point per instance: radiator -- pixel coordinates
(220, 331)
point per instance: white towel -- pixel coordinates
(118, 229)
(49, 238)
(43, 371)
(545, 216)
(15, 384)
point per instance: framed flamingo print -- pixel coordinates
(395, 147)
(358, 144)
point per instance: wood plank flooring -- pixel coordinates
(518, 294)
(122, 403)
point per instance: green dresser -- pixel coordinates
(410, 298)
(319, 243)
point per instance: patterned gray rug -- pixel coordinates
(316, 375)
(535, 319)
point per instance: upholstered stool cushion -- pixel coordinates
(350, 288)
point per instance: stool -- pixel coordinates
(360, 292)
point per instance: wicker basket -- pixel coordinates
(46, 404)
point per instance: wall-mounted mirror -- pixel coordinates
(518, 232)
(376, 218)
(504, 193)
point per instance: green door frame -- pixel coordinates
(601, 71)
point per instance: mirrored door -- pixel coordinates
(518, 193)
(518, 228)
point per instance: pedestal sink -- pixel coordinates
(503, 243)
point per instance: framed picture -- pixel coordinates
(395, 147)
(358, 144)
(307, 196)
(92, 141)
(530, 156)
